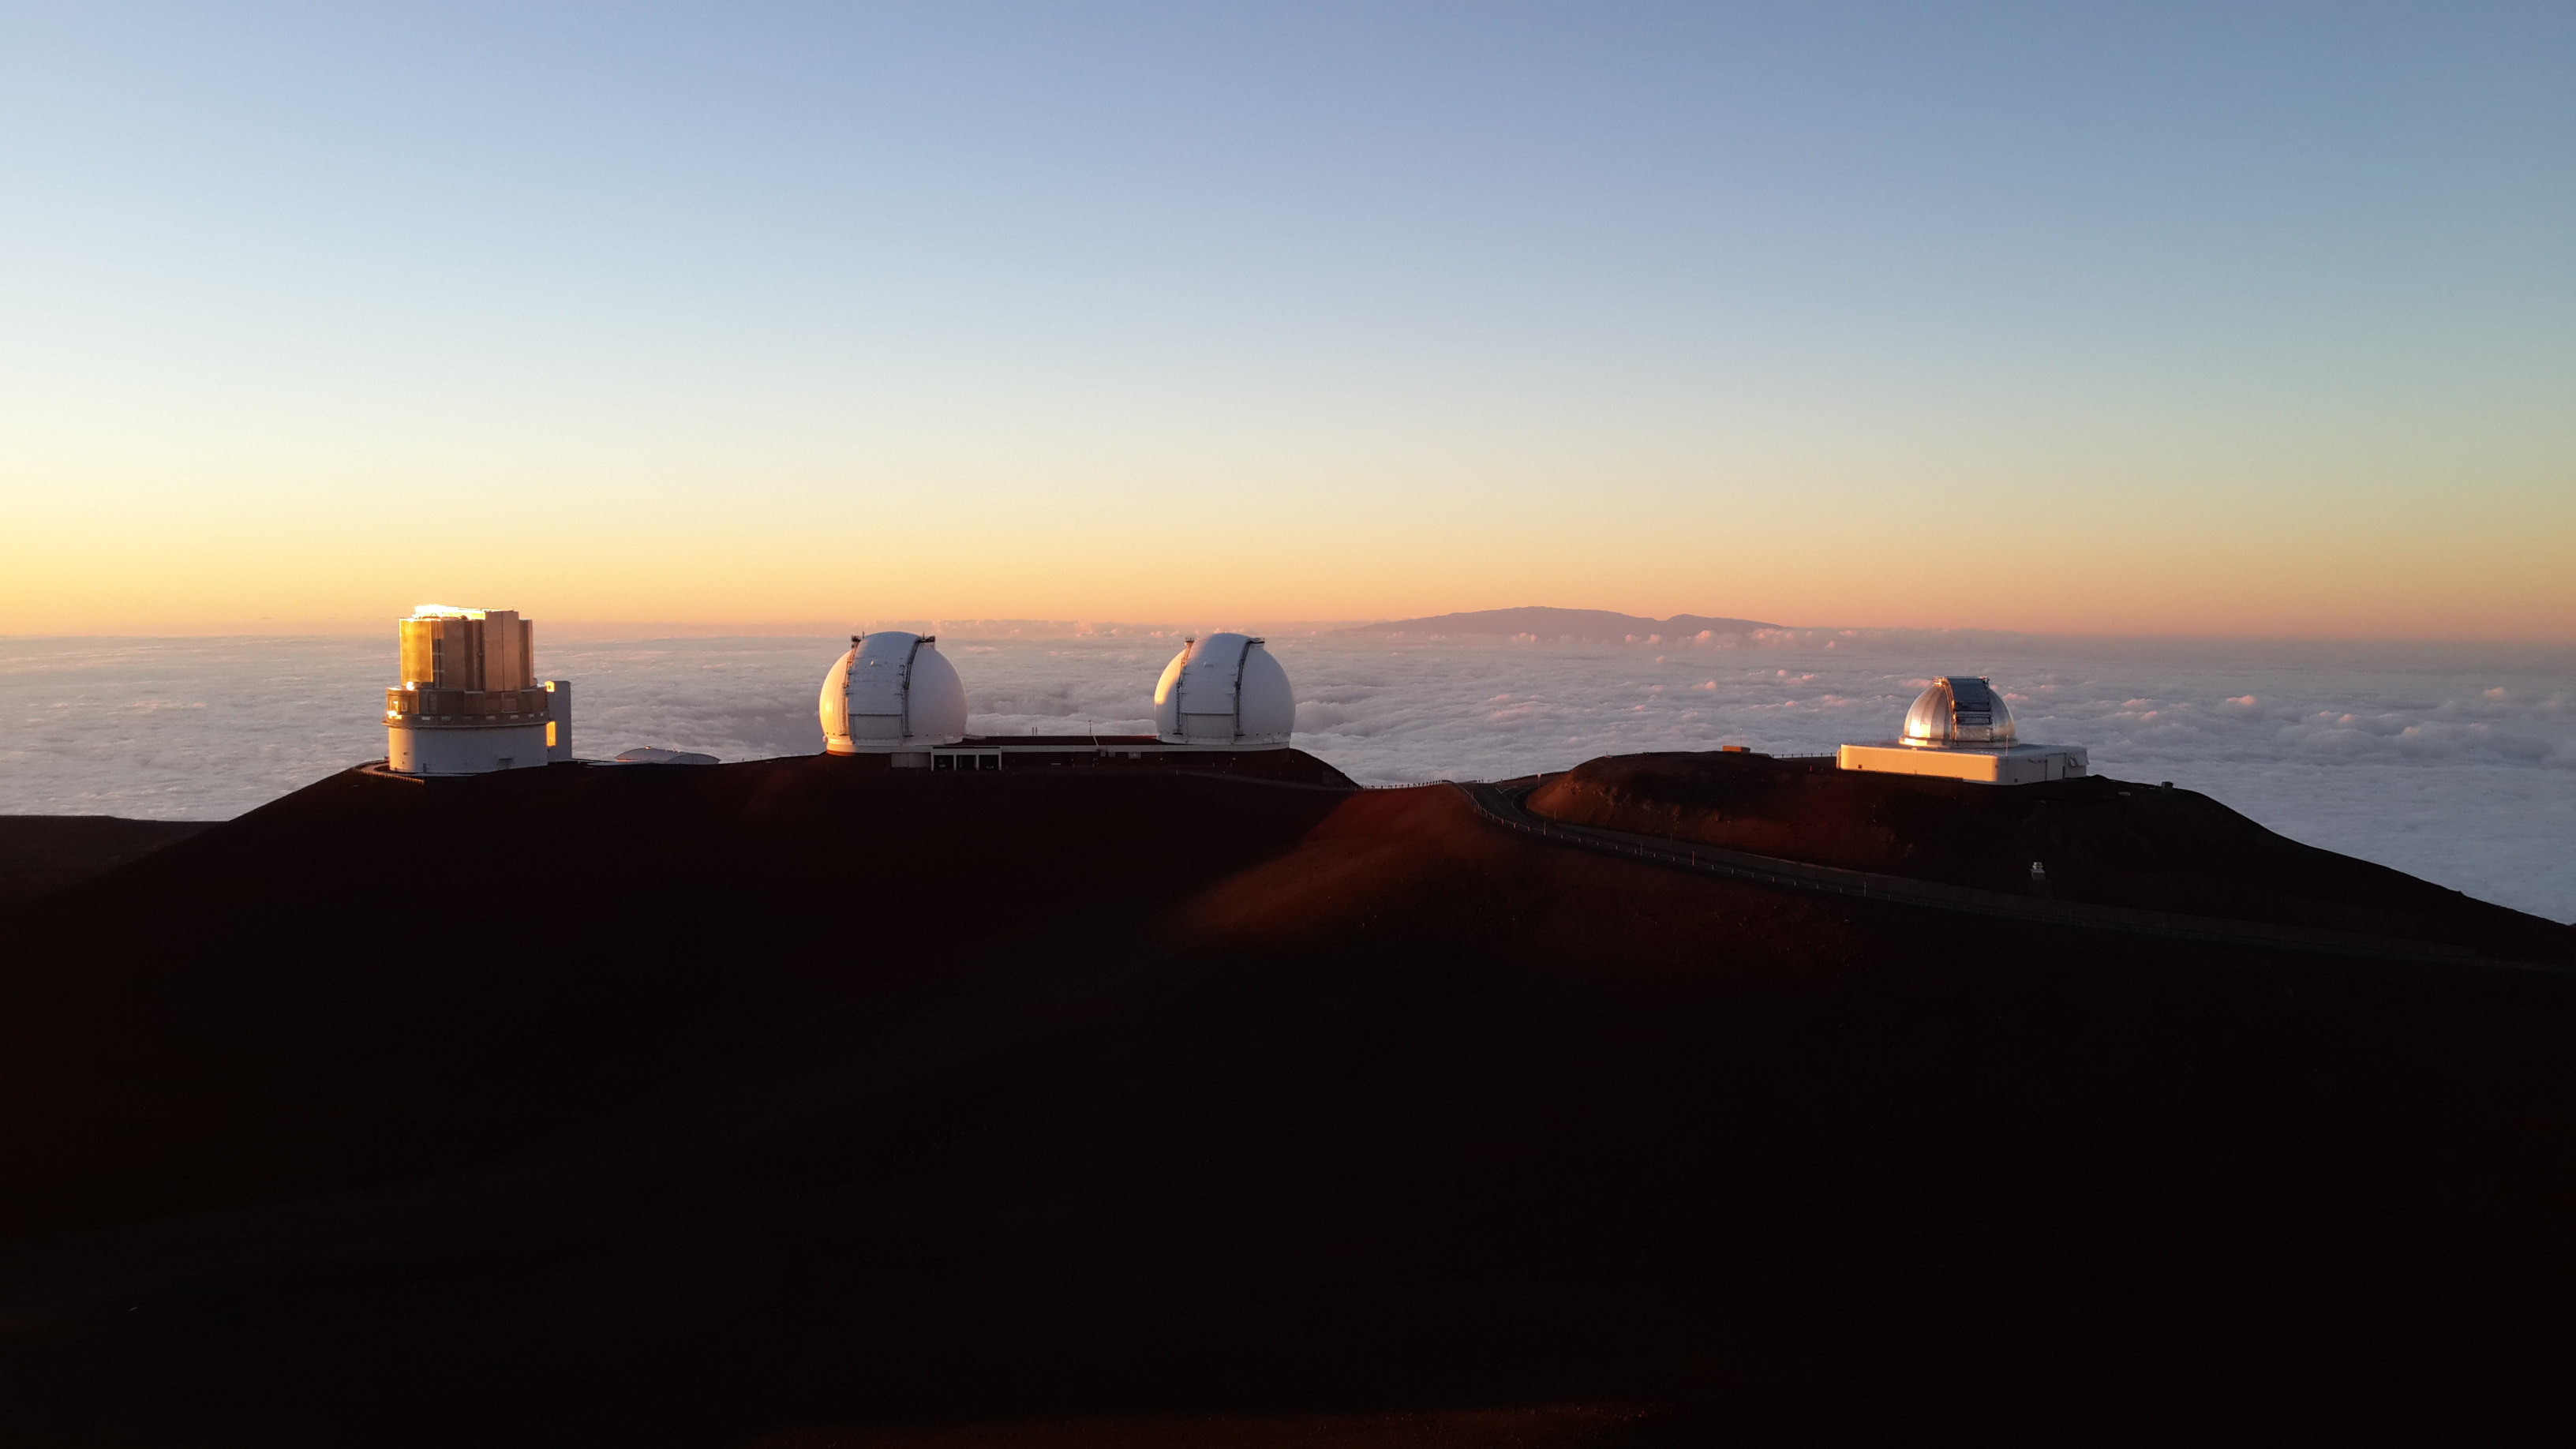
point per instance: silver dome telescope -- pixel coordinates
(1961, 729)
(1959, 709)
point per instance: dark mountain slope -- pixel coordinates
(376, 977)
(1294, 1104)
(2102, 841)
(41, 854)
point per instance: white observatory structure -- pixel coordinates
(894, 700)
(893, 694)
(1961, 729)
(1225, 692)
(470, 702)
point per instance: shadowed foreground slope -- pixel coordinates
(2102, 842)
(41, 854)
(823, 1104)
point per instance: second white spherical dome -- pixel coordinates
(892, 692)
(1225, 689)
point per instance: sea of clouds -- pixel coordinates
(2455, 763)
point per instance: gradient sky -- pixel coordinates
(2202, 319)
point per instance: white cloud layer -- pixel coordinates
(2454, 763)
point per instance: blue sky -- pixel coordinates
(1731, 309)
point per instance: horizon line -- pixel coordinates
(606, 630)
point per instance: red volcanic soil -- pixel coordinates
(2103, 841)
(377, 975)
(801, 1105)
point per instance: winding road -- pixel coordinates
(1502, 805)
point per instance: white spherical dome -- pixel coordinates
(1225, 689)
(1959, 709)
(892, 692)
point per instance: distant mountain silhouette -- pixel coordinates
(1591, 625)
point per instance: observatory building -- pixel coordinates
(1962, 729)
(469, 702)
(893, 694)
(894, 699)
(1225, 691)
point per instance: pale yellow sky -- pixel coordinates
(2077, 556)
(2130, 324)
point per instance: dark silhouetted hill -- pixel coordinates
(40, 854)
(1581, 625)
(2101, 841)
(800, 1104)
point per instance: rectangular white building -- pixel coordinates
(1987, 765)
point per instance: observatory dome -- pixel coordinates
(1227, 690)
(892, 692)
(1959, 709)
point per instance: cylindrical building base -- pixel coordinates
(464, 749)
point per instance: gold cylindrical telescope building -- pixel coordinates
(470, 701)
